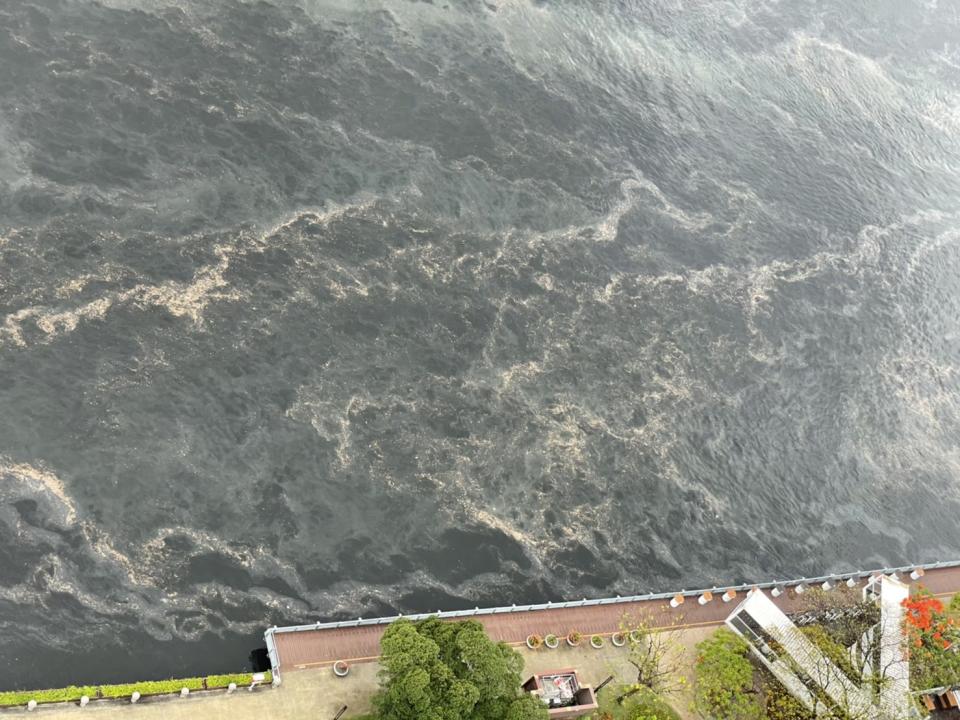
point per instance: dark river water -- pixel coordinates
(317, 309)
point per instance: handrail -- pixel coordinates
(359, 622)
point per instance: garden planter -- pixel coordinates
(551, 641)
(573, 638)
(341, 668)
(534, 641)
(618, 639)
(596, 642)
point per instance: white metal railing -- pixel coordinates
(360, 622)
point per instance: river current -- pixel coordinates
(318, 309)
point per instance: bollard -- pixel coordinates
(800, 589)
(706, 597)
(276, 681)
(676, 600)
(826, 585)
(728, 595)
(917, 574)
(851, 582)
(777, 591)
(32, 705)
(135, 696)
(184, 692)
(84, 700)
(232, 687)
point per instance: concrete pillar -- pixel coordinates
(729, 595)
(676, 600)
(705, 598)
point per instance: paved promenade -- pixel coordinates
(307, 695)
(318, 648)
(311, 691)
(316, 694)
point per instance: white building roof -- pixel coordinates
(810, 676)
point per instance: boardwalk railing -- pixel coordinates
(360, 622)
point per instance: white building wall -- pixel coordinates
(894, 665)
(807, 657)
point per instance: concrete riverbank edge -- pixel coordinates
(357, 641)
(301, 647)
(127, 693)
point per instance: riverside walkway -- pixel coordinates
(357, 641)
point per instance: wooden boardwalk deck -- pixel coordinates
(314, 648)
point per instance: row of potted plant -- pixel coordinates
(573, 639)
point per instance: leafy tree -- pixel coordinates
(526, 707)
(724, 679)
(648, 705)
(779, 704)
(833, 650)
(841, 611)
(932, 637)
(618, 703)
(657, 655)
(435, 670)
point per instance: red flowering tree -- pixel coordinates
(933, 640)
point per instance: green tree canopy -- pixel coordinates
(435, 670)
(724, 687)
(649, 706)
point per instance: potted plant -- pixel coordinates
(551, 641)
(636, 635)
(573, 638)
(341, 668)
(596, 642)
(618, 639)
(534, 641)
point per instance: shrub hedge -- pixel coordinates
(67, 694)
(151, 687)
